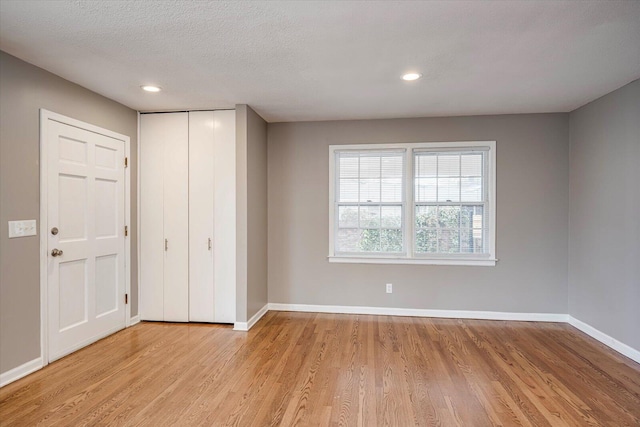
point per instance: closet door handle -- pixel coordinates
(209, 244)
(166, 244)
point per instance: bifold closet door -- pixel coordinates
(201, 191)
(224, 247)
(212, 175)
(176, 218)
(164, 216)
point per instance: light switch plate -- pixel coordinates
(22, 228)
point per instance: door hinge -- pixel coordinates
(126, 230)
(126, 162)
(126, 298)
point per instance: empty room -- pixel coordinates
(319, 213)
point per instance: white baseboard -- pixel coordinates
(20, 371)
(624, 349)
(134, 320)
(416, 312)
(605, 339)
(84, 343)
(245, 326)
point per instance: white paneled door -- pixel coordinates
(85, 237)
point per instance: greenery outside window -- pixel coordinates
(417, 203)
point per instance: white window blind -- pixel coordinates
(370, 201)
(450, 202)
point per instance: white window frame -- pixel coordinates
(409, 256)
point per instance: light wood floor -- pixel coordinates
(323, 369)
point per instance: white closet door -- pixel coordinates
(152, 131)
(201, 191)
(176, 217)
(164, 216)
(188, 196)
(224, 167)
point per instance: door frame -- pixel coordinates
(45, 116)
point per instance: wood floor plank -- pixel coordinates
(313, 369)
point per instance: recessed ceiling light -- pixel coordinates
(411, 76)
(150, 88)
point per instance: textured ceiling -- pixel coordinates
(334, 60)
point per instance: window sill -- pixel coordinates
(413, 261)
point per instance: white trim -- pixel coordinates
(332, 198)
(633, 354)
(416, 261)
(20, 371)
(245, 326)
(44, 233)
(241, 326)
(493, 197)
(409, 257)
(408, 227)
(127, 221)
(418, 312)
(605, 339)
(84, 343)
(138, 214)
(45, 116)
(50, 115)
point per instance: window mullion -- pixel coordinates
(460, 201)
(372, 203)
(408, 183)
(359, 198)
(437, 177)
(379, 205)
(485, 199)
(437, 203)
(336, 201)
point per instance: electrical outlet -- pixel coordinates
(389, 288)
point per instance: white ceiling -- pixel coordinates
(334, 60)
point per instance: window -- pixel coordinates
(370, 202)
(424, 203)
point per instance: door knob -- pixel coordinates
(56, 252)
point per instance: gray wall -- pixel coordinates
(25, 89)
(532, 218)
(256, 213)
(251, 204)
(241, 212)
(604, 243)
